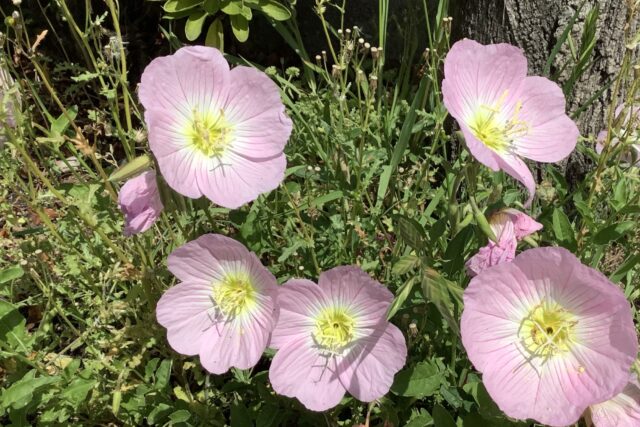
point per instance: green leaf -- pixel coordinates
(172, 6)
(12, 328)
(193, 27)
(442, 418)
(411, 232)
(405, 264)
(60, 125)
(11, 273)
(134, 167)
(21, 393)
(232, 7)
(563, 230)
(626, 266)
(77, 391)
(180, 416)
(402, 295)
(438, 290)
(273, 9)
(613, 232)
(211, 6)
(240, 415)
(421, 380)
(403, 142)
(215, 35)
(240, 27)
(162, 374)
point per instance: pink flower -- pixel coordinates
(503, 113)
(214, 131)
(224, 309)
(630, 128)
(334, 337)
(509, 226)
(550, 335)
(621, 411)
(139, 201)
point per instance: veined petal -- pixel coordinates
(367, 370)
(298, 370)
(254, 108)
(241, 179)
(551, 135)
(623, 410)
(199, 259)
(518, 169)
(187, 311)
(300, 300)
(350, 286)
(477, 75)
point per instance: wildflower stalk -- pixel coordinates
(305, 232)
(123, 62)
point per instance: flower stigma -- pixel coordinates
(235, 294)
(209, 133)
(548, 330)
(493, 129)
(335, 329)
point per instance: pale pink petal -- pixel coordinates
(260, 126)
(490, 255)
(523, 224)
(554, 390)
(239, 179)
(476, 75)
(238, 343)
(299, 300)
(518, 169)
(478, 150)
(199, 260)
(551, 134)
(367, 370)
(621, 411)
(300, 371)
(193, 77)
(139, 200)
(350, 286)
(187, 311)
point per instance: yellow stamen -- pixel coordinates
(548, 330)
(235, 294)
(494, 130)
(335, 328)
(209, 133)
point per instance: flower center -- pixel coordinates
(548, 330)
(209, 133)
(235, 294)
(489, 125)
(335, 329)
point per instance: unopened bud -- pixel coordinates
(373, 82)
(17, 2)
(360, 40)
(374, 52)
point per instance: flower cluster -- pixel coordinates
(553, 338)
(331, 338)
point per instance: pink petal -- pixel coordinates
(299, 371)
(299, 300)
(621, 411)
(240, 180)
(193, 77)
(198, 260)
(139, 200)
(260, 126)
(523, 224)
(490, 255)
(551, 135)
(367, 370)
(515, 167)
(476, 75)
(187, 311)
(553, 391)
(349, 286)
(238, 343)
